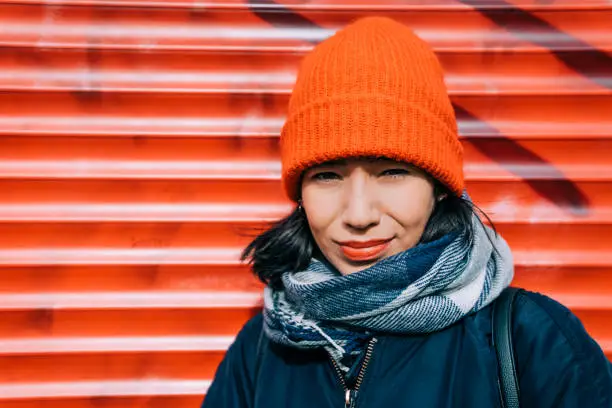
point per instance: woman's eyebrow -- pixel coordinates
(337, 162)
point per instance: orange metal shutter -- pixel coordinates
(138, 142)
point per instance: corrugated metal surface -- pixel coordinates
(138, 146)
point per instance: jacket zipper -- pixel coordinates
(351, 393)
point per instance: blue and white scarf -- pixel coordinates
(421, 290)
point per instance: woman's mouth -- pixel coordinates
(362, 251)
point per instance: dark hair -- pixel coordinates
(288, 245)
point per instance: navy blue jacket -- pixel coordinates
(559, 366)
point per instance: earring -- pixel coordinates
(299, 207)
(441, 197)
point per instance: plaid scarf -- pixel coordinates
(421, 290)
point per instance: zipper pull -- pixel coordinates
(349, 398)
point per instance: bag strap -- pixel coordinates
(260, 347)
(502, 342)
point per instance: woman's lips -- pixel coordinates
(364, 251)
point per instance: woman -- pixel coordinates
(380, 283)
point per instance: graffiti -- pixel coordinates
(284, 18)
(584, 59)
(518, 160)
(559, 190)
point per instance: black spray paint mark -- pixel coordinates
(279, 16)
(518, 160)
(576, 54)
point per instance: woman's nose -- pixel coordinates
(360, 203)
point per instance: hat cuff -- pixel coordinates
(370, 125)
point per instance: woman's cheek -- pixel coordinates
(410, 208)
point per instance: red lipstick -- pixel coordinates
(361, 251)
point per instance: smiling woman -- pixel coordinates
(381, 282)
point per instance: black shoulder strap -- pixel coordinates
(502, 341)
(260, 348)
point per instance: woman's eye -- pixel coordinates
(326, 176)
(395, 172)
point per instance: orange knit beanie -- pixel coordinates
(372, 89)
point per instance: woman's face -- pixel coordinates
(363, 210)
